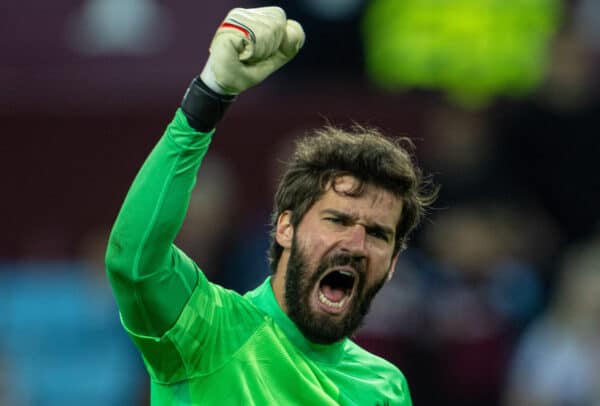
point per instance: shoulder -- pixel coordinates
(214, 324)
(214, 303)
(381, 381)
(375, 366)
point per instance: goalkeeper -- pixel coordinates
(343, 211)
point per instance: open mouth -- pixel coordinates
(335, 289)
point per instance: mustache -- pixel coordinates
(344, 259)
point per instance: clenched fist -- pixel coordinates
(248, 46)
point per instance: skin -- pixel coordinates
(360, 226)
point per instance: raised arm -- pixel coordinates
(152, 279)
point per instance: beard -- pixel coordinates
(319, 327)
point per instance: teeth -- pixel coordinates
(347, 273)
(328, 302)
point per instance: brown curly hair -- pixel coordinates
(364, 153)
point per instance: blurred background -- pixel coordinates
(497, 300)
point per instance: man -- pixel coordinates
(343, 211)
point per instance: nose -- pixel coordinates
(355, 241)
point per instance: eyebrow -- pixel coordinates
(370, 226)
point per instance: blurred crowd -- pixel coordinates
(495, 302)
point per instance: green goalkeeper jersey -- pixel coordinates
(206, 345)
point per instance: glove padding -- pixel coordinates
(249, 45)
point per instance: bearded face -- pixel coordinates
(337, 258)
(329, 303)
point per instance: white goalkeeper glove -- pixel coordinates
(249, 45)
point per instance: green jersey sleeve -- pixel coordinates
(178, 319)
(152, 279)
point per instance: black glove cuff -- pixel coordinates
(203, 107)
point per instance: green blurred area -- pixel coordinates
(471, 49)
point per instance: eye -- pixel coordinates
(379, 234)
(334, 220)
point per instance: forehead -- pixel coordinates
(374, 204)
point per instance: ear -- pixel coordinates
(284, 233)
(392, 267)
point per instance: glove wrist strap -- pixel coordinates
(203, 107)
